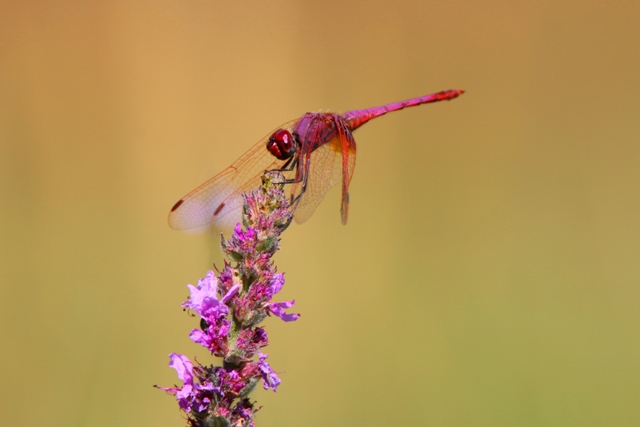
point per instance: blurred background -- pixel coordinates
(489, 274)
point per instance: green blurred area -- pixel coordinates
(489, 274)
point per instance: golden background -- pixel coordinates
(489, 274)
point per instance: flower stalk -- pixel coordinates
(231, 305)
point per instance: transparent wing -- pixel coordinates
(326, 166)
(218, 202)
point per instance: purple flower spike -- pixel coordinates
(231, 306)
(191, 395)
(277, 282)
(203, 299)
(271, 380)
(278, 308)
(230, 294)
(183, 367)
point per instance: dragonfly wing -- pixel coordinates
(324, 172)
(218, 195)
(348, 146)
(218, 202)
(327, 165)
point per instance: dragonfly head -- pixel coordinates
(281, 144)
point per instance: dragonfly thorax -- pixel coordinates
(281, 144)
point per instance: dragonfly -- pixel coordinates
(316, 152)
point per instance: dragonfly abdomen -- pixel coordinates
(357, 118)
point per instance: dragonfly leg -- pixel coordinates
(296, 199)
(288, 167)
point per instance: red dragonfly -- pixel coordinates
(317, 151)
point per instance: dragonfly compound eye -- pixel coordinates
(281, 144)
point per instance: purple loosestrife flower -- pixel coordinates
(230, 307)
